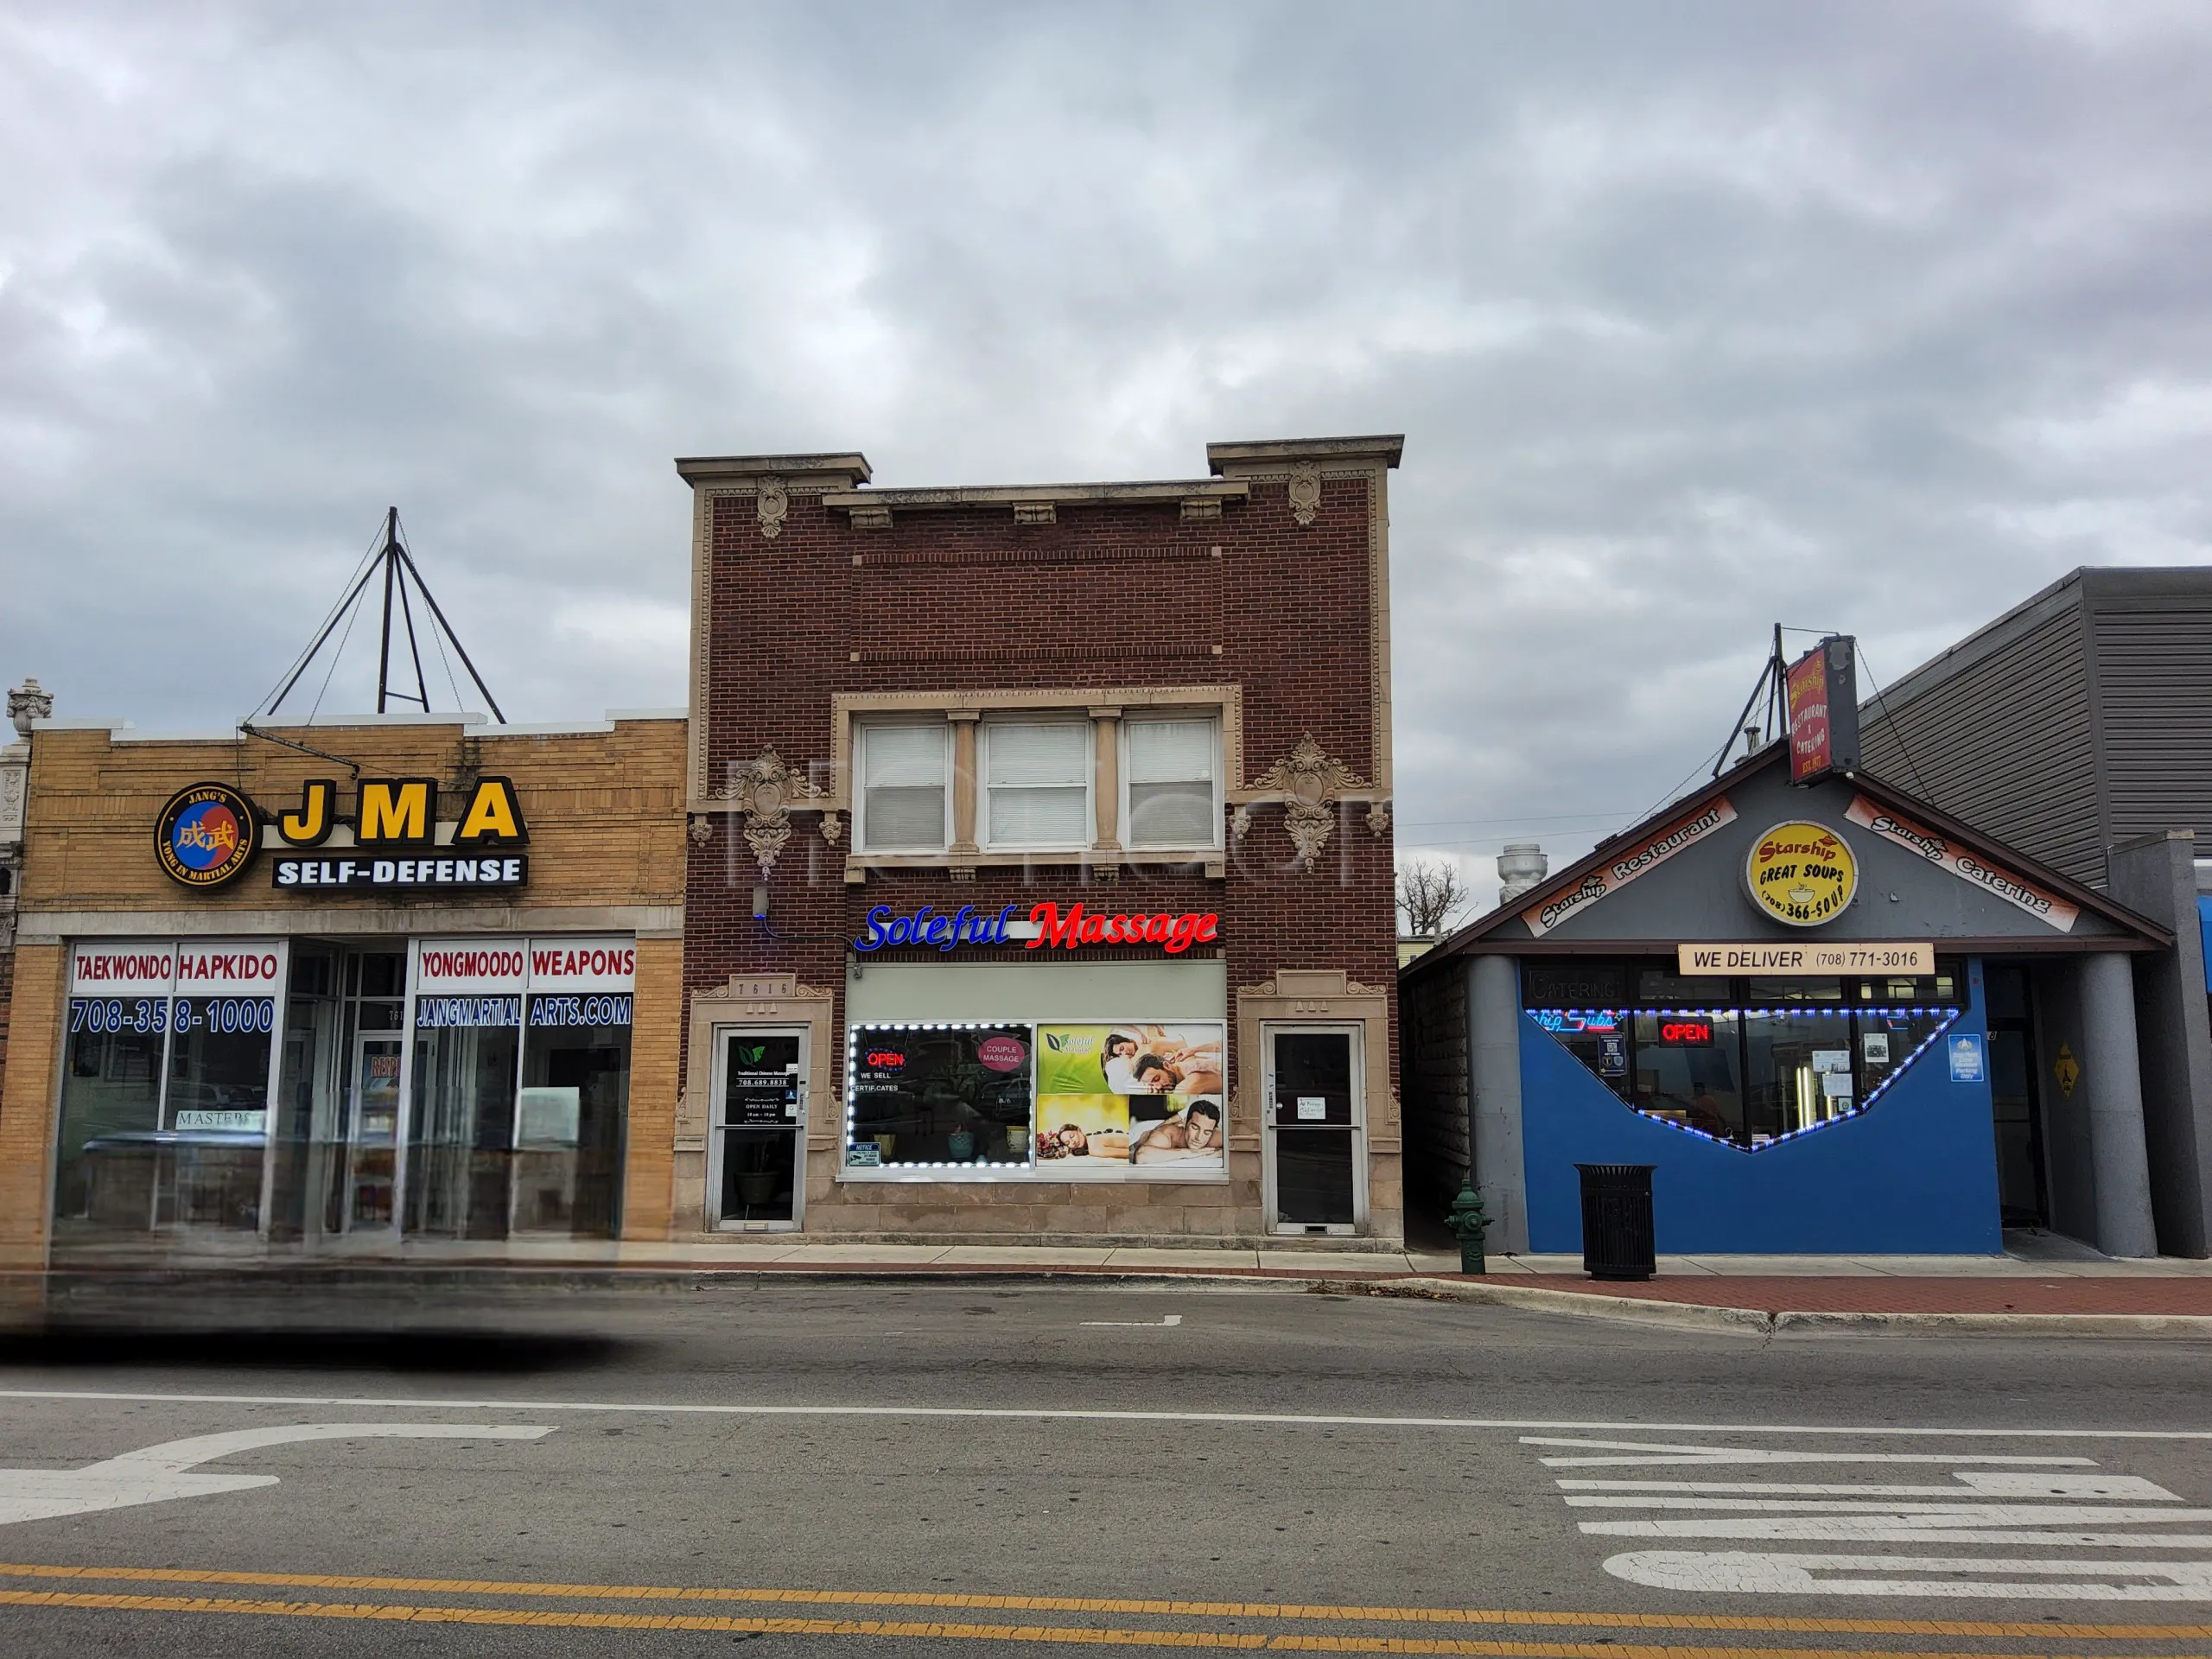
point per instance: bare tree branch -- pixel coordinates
(1431, 894)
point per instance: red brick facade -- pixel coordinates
(804, 595)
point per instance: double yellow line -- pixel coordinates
(1071, 1634)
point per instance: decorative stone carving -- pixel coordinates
(1035, 512)
(760, 988)
(702, 829)
(771, 504)
(26, 702)
(1305, 492)
(1310, 783)
(1378, 817)
(766, 791)
(832, 826)
(11, 801)
(1239, 822)
(874, 517)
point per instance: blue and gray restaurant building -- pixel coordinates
(1831, 1018)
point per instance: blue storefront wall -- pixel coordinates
(1915, 1173)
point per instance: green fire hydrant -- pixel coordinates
(1469, 1222)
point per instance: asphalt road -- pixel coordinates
(833, 1469)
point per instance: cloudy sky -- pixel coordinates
(1697, 318)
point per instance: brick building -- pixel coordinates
(263, 1006)
(1040, 879)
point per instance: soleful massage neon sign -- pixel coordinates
(1048, 925)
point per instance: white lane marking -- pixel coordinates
(1902, 1514)
(156, 1474)
(1974, 1483)
(1639, 1455)
(1891, 1529)
(418, 1402)
(1138, 1325)
(2033, 1503)
(1732, 1572)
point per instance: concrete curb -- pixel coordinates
(1628, 1310)
(1700, 1316)
(27, 1299)
(2041, 1324)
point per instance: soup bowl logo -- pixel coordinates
(207, 836)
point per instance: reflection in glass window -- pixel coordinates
(1687, 1069)
(1747, 1076)
(110, 1108)
(462, 1126)
(1574, 984)
(1037, 782)
(1171, 773)
(905, 773)
(567, 1139)
(943, 1094)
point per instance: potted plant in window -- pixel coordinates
(981, 1100)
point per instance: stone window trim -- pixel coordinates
(1313, 995)
(965, 710)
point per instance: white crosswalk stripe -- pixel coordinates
(2047, 1503)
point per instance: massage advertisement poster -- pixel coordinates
(1131, 1102)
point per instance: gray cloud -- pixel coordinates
(1697, 318)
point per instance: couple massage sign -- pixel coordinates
(1132, 1101)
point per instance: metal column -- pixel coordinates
(2110, 1067)
(1494, 1084)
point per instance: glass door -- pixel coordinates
(372, 1169)
(759, 1129)
(2017, 1120)
(1315, 1179)
(357, 1127)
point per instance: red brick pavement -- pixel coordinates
(1880, 1293)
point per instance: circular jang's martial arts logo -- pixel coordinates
(207, 836)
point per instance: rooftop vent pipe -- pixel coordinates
(1520, 866)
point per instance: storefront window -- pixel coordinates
(467, 1053)
(568, 1116)
(1745, 1061)
(165, 1097)
(1058, 1102)
(111, 1108)
(941, 1093)
(186, 1060)
(1688, 1070)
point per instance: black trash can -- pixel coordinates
(1619, 1240)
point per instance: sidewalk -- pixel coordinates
(2042, 1285)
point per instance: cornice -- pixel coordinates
(1240, 459)
(836, 470)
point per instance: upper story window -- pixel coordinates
(1036, 783)
(1174, 791)
(905, 775)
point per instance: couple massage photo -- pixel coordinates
(1148, 1060)
(1192, 1135)
(1141, 1094)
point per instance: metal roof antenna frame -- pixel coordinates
(400, 572)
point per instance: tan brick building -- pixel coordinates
(1041, 863)
(409, 979)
